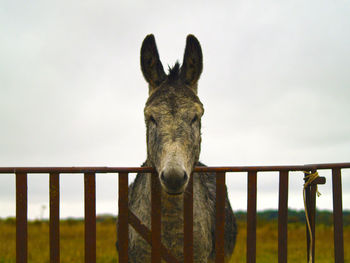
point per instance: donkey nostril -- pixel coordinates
(185, 176)
(162, 176)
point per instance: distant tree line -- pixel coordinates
(324, 217)
(297, 216)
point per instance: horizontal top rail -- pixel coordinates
(105, 169)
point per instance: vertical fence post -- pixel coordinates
(310, 194)
(54, 218)
(188, 222)
(90, 218)
(220, 217)
(251, 217)
(156, 218)
(21, 218)
(283, 217)
(337, 216)
(123, 214)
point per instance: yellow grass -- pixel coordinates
(72, 243)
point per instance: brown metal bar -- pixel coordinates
(337, 216)
(220, 218)
(54, 218)
(283, 217)
(318, 180)
(313, 189)
(251, 217)
(321, 166)
(147, 235)
(277, 168)
(74, 170)
(135, 222)
(188, 222)
(307, 200)
(310, 195)
(123, 214)
(21, 218)
(90, 218)
(156, 218)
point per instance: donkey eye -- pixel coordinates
(152, 120)
(195, 118)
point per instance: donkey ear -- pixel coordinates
(151, 66)
(192, 65)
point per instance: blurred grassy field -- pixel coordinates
(72, 243)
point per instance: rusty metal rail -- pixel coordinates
(152, 235)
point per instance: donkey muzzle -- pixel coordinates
(173, 179)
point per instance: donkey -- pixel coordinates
(173, 114)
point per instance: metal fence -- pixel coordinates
(153, 235)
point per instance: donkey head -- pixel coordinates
(173, 114)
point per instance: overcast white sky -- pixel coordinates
(275, 87)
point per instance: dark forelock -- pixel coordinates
(174, 73)
(173, 83)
